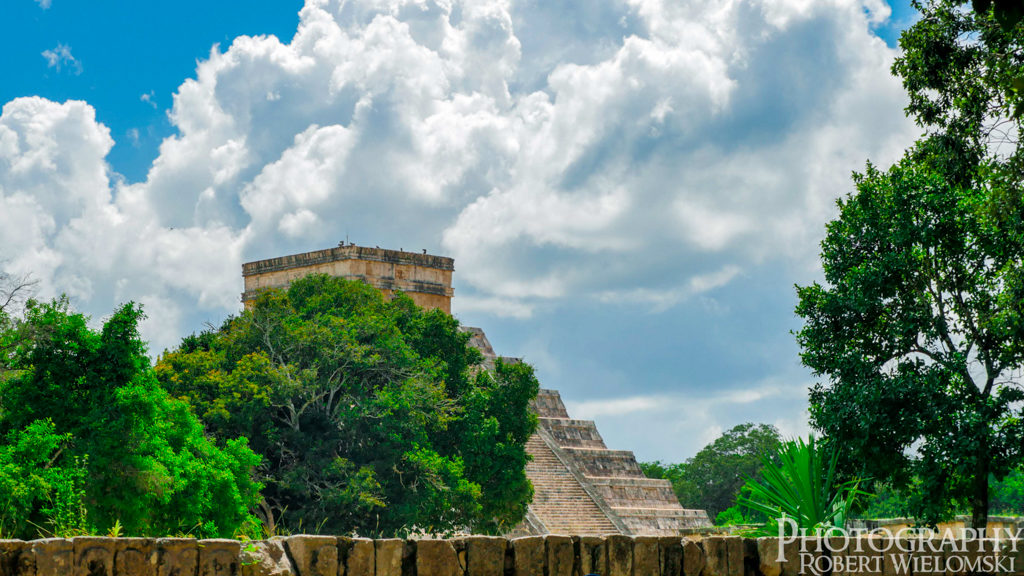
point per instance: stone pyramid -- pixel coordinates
(582, 487)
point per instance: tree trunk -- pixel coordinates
(979, 496)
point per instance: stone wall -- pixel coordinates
(615, 555)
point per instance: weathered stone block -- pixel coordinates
(724, 556)
(436, 558)
(219, 557)
(265, 558)
(693, 558)
(359, 556)
(750, 557)
(646, 557)
(560, 555)
(929, 559)
(388, 556)
(1014, 557)
(94, 556)
(134, 557)
(863, 556)
(16, 558)
(529, 555)
(486, 556)
(670, 556)
(592, 554)
(896, 561)
(314, 555)
(177, 556)
(768, 562)
(54, 557)
(620, 555)
(734, 555)
(837, 547)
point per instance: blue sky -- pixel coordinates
(630, 188)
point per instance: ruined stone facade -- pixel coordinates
(580, 486)
(425, 278)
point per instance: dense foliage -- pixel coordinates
(712, 479)
(1006, 498)
(919, 331)
(919, 326)
(91, 440)
(370, 415)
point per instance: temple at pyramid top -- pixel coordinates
(427, 279)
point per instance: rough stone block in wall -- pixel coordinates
(54, 557)
(528, 554)
(750, 557)
(646, 556)
(485, 556)
(314, 555)
(389, 554)
(723, 556)
(809, 557)
(620, 555)
(11, 553)
(896, 558)
(265, 558)
(767, 557)
(177, 556)
(670, 555)
(560, 555)
(94, 556)
(863, 557)
(219, 557)
(437, 558)
(135, 557)
(592, 555)
(693, 558)
(359, 556)
(1014, 552)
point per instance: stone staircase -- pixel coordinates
(611, 479)
(559, 500)
(582, 487)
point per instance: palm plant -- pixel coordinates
(799, 485)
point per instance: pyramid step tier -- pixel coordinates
(567, 432)
(604, 462)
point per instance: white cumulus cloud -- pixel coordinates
(637, 152)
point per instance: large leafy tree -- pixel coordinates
(919, 329)
(371, 415)
(919, 326)
(712, 479)
(88, 399)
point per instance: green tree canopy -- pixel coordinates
(919, 325)
(919, 329)
(712, 479)
(371, 415)
(90, 399)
